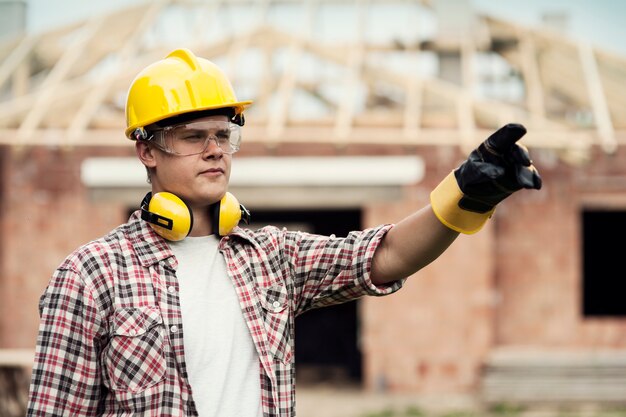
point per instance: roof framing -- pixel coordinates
(67, 87)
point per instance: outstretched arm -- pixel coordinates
(461, 203)
(412, 244)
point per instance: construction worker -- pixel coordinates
(180, 312)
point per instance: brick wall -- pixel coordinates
(46, 213)
(515, 284)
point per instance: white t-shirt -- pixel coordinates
(222, 362)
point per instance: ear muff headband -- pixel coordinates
(168, 215)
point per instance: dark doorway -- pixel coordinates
(603, 272)
(326, 338)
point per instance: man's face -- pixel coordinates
(200, 179)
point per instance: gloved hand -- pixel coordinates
(493, 171)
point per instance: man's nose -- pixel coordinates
(213, 149)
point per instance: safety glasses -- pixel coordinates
(195, 138)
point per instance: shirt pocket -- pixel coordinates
(134, 359)
(278, 320)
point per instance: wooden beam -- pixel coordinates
(413, 106)
(239, 46)
(20, 83)
(277, 118)
(345, 112)
(16, 58)
(370, 135)
(56, 76)
(126, 53)
(267, 81)
(531, 75)
(74, 89)
(17, 357)
(465, 108)
(597, 98)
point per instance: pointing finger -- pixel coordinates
(501, 141)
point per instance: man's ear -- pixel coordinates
(145, 154)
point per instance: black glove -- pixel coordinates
(495, 170)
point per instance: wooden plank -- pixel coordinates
(55, 78)
(17, 357)
(345, 113)
(277, 118)
(532, 79)
(257, 133)
(17, 57)
(94, 99)
(465, 108)
(21, 79)
(554, 377)
(241, 43)
(413, 107)
(597, 97)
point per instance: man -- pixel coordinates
(179, 311)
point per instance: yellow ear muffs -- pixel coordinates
(227, 213)
(168, 215)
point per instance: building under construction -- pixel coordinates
(360, 109)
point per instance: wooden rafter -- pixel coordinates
(55, 77)
(278, 118)
(530, 71)
(345, 113)
(91, 103)
(597, 98)
(242, 43)
(55, 96)
(465, 108)
(17, 57)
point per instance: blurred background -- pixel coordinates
(361, 108)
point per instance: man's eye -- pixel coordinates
(194, 136)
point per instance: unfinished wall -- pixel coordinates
(46, 214)
(539, 259)
(433, 335)
(516, 284)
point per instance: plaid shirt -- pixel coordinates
(111, 337)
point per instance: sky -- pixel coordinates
(601, 22)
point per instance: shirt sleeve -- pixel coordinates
(329, 270)
(66, 378)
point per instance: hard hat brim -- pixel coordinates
(239, 107)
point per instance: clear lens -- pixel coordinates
(195, 138)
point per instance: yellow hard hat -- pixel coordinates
(178, 84)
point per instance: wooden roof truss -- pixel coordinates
(67, 87)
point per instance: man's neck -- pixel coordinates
(202, 225)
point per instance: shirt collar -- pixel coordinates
(152, 248)
(149, 246)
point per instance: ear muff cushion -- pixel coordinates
(226, 215)
(171, 217)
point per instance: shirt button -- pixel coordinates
(171, 289)
(174, 329)
(276, 305)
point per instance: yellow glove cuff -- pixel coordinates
(444, 200)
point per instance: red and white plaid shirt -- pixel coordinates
(111, 336)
